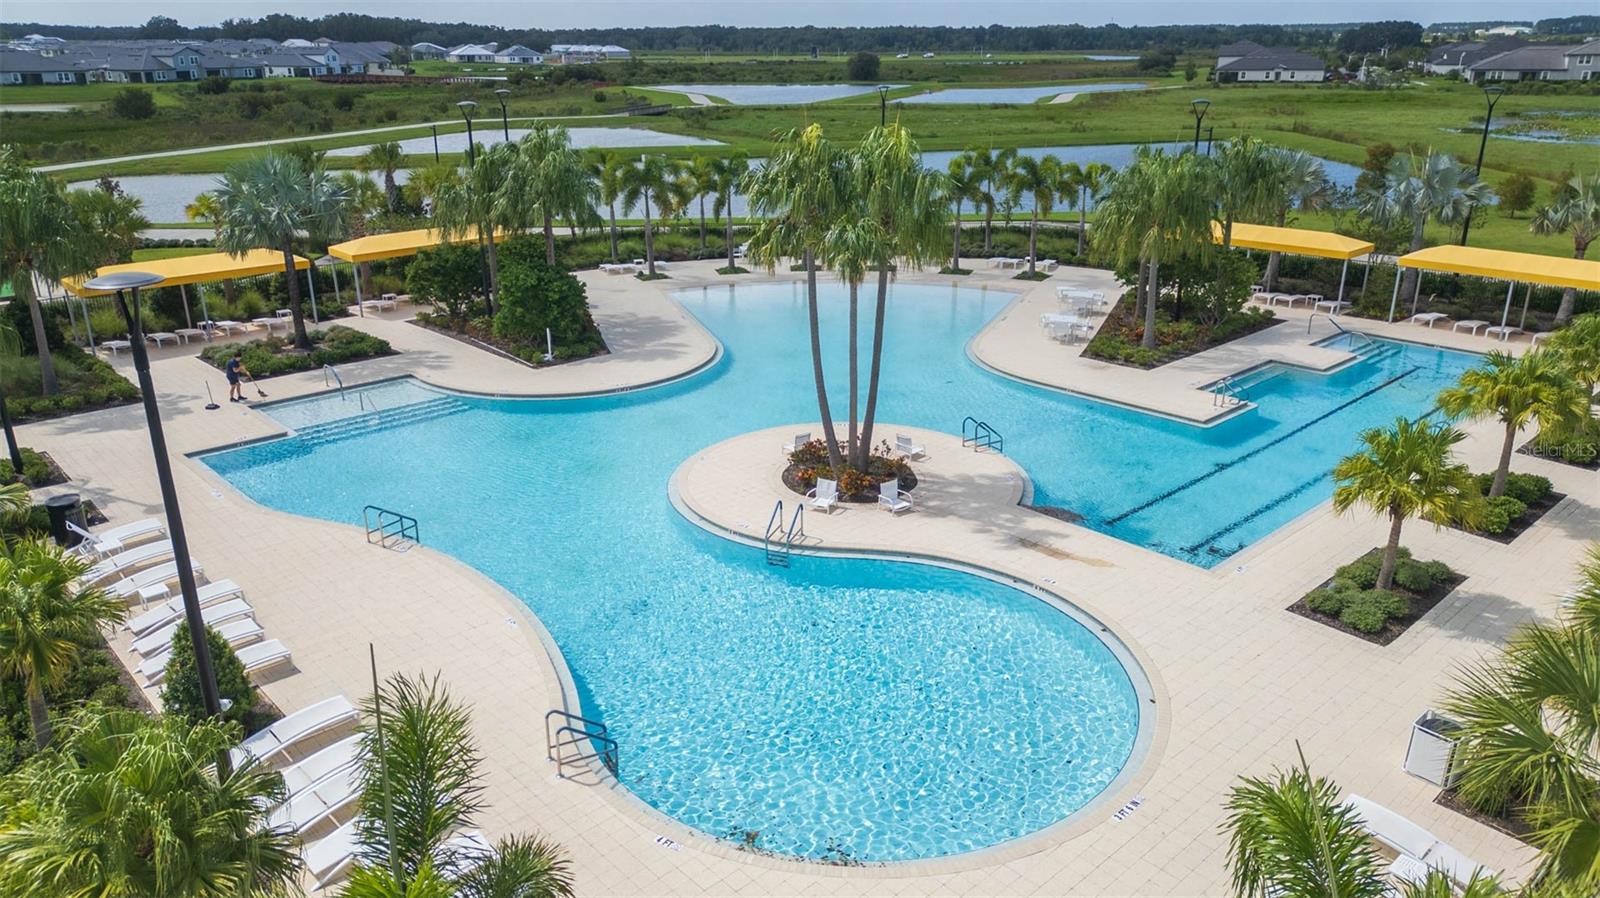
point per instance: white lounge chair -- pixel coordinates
(288, 732)
(1410, 840)
(468, 851)
(1471, 324)
(129, 586)
(796, 441)
(115, 345)
(325, 763)
(172, 609)
(330, 856)
(1049, 264)
(1428, 318)
(891, 497)
(263, 655)
(126, 560)
(113, 540)
(159, 640)
(904, 446)
(312, 806)
(154, 668)
(825, 495)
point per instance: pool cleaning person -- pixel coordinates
(234, 369)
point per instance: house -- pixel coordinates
(612, 51)
(291, 65)
(1532, 62)
(363, 58)
(1508, 30)
(233, 67)
(1583, 62)
(1273, 64)
(29, 67)
(1235, 51)
(1458, 56)
(579, 53)
(517, 54)
(470, 53)
(425, 50)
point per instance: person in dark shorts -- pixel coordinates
(234, 369)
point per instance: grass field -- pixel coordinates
(169, 252)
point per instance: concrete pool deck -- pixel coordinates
(1244, 680)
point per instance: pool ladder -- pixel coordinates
(575, 731)
(980, 436)
(1225, 393)
(361, 397)
(778, 541)
(390, 529)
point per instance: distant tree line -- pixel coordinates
(714, 38)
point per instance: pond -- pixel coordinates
(488, 132)
(771, 94)
(987, 95)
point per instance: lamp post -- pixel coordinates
(1210, 133)
(468, 107)
(1493, 95)
(505, 123)
(435, 142)
(122, 283)
(1198, 107)
(883, 105)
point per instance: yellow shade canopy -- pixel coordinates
(1294, 241)
(199, 269)
(1526, 268)
(399, 243)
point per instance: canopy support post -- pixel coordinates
(1366, 273)
(1416, 294)
(1343, 270)
(1395, 297)
(1522, 322)
(87, 327)
(355, 275)
(204, 311)
(311, 281)
(335, 269)
(1505, 315)
(188, 319)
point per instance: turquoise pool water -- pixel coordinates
(874, 710)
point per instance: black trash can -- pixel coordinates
(63, 508)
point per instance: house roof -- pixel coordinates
(1275, 58)
(25, 61)
(1468, 52)
(1240, 48)
(472, 50)
(517, 50)
(1589, 49)
(424, 45)
(289, 60)
(1531, 58)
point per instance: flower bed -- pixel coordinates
(1118, 339)
(1348, 601)
(277, 355)
(810, 462)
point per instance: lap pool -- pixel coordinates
(840, 709)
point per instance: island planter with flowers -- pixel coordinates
(810, 461)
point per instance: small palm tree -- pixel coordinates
(1417, 190)
(1584, 611)
(1037, 178)
(1300, 183)
(113, 219)
(1290, 835)
(990, 167)
(962, 182)
(1094, 182)
(1575, 210)
(728, 172)
(386, 157)
(547, 176)
(522, 867)
(268, 201)
(430, 181)
(40, 236)
(472, 206)
(1406, 471)
(1577, 346)
(206, 208)
(608, 170)
(45, 618)
(702, 175)
(132, 806)
(1248, 179)
(652, 179)
(1517, 392)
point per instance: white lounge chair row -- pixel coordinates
(1418, 850)
(1009, 262)
(1474, 325)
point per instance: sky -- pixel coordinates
(634, 13)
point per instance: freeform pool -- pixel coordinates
(871, 710)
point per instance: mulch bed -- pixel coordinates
(791, 479)
(1120, 318)
(57, 475)
(1511, 826)
(1421, 604)
(1517, 527)
(490, 347)
(1528, 449)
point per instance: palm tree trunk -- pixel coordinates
(549, 239)
(39, 717)
(302, 340)
(1270, 281)
(1033, 239)
(1569, 302)
(702, 225)
(1408, 280)
(1498, 487)
(1083, 217)
(874, 366)
(47, 364)
(649, 239)
(728, 231)
(613, 209)
(1138, 291)
(855, 380)
(988, 227)
(955, 246)
(494, 275)
(390, 189)
(1391, 550)
(1154, 289)
(829, 437)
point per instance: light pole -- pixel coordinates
(468, 107)
(1210, 133)
(122, 283)
(1198, 107)
(883, 105)
(1493, 95)
(505, 123)
(435, 142)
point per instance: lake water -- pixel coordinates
(771, 94)
(1101, 57)
(488, 132)
(987, 95)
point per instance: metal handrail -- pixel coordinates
(405, 526)
(329, 369)
(591, 731)
(1336, 324)
(797, 526)
(1224, 390)
(775, 528)
(982, 435)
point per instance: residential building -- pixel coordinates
(517, 54)
(471, 53)
(425, 50)
(1271, 64)
(1235, 51)
(26, 67)
(581, 53)
(1539, 62)
(1457, 57)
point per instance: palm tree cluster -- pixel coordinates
(1417, 190)
(856, 210)
(998, 179)
(1575, 210)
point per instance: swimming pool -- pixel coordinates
(864, 709)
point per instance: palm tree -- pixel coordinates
(11, 347)
(470, 206)
(1517, 392)
(1406, 471)
(795, 199)
(522, 867)
(651, 179)
(1290, 835)
(547, 176)
(849, 247)
(363, 200)
(1300, 183)
(267, 201)
(1037, 178)
(1575, 210)
(384, 157)
(431, 181)
(909, 206)
(1585, 608)
(608, 173)
(1419, 190)
(1578, 347)
(206, 208)
(44, 617)
(989, 168)
(701, 174)
(727, 173)
(1249, 182)
(113, 219)
(40, 236)
(134, 806)
(962, 182)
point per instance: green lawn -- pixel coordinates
(170, 252)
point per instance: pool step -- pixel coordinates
(384, 419)
(1245, 387)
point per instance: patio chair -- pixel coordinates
(1409, 840)
(159, 640)
(1503, 331)
(329, 857)
(240, 632)
(1428, 318)
(172, 609)
(825, 495)
(125, 561)
(129, 586)
(263, 655)
(114, 539)
(1471, 324)
(309, 721)
(312, 806)
(116, 346)
(160, 338)
(796, 441)
(904, 446)
(322, 765)
(892, 498)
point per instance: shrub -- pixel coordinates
(1415, 576)
(1527, 488)
(21, 318)
(35, 470)
(1328, 601)
(276, 355)
(863, 67)
(448, 276)
(814, 452)
(133, 103)
(1370, 609)
(534, 296)
(1501, 512)
(212, 84)
(181, 695)
(1580, 448)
